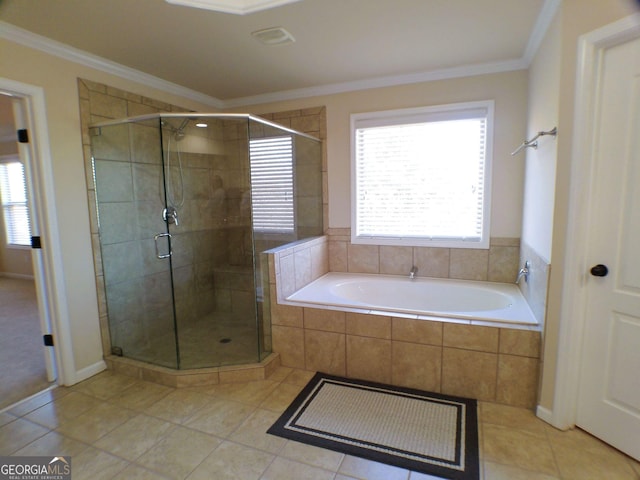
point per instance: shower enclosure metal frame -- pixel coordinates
(181, 244)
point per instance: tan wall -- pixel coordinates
(509, 90)
(58, 79)
(577, 17)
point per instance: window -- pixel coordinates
(272, 184)
(422, 176)
(13, 192)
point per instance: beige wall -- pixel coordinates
(58, 79)
(509, 90)
(576, 17)
(540, 172)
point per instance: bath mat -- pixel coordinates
(420, 431)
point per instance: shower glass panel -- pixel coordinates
(187, 206)
(130, 194)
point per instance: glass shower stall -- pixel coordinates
(187, 204)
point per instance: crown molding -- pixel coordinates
(380, 82)
(38, 42)
(236, 7)
(29, 39)
(543, 22)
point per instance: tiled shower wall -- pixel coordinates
(99, 102)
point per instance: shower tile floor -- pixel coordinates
(211, 342)
(118, 427)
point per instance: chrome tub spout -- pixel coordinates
(524, 272)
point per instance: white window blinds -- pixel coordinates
(272, 184)
(422, 178)
(14, 203)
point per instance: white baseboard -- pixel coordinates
(18, 276)
(89, 371)
(544, 414)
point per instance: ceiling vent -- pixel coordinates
(273, 36)
(237, 7)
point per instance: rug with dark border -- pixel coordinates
(421, 431)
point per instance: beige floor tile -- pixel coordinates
(38, 401)
(135, 472)
(366, 469)
(93, 464)
(178, 453)
(299, 377)
(495, 471)
(252, 432)
(317, 457)
(284, 469)
(514, 417)
(134, 437)
(518, 448)
(422, 476)
(64, 409)
(576, 439)
(53, 443)
(281, 397)
(105, 385)
(280, 374)
(141, 395)
(6, 418)
(231, 461)
(95, 423)
(17, 434)
(250, 393)
(593, 465)
(178, 406)
(220, 417)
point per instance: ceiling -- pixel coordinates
(339, 44)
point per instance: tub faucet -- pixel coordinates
(524, 272)
(412, 272)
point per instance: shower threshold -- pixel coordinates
(194, 377)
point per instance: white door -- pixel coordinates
(609, 394)
(25, 151)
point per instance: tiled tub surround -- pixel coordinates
(536, 286)
(485, 362)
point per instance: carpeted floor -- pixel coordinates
(22, 371)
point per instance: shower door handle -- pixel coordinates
(158, 254)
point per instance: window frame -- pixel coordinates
(418, 115)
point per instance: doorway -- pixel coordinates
(597, 386)
(28, 367)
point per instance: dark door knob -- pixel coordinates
(599, 270)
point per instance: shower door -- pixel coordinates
(208, 192)
(135, 241)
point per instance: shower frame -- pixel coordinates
(253, 127)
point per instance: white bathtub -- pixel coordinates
(428, 298)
